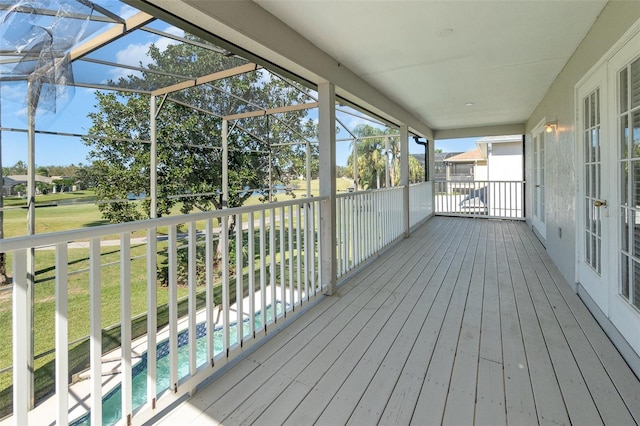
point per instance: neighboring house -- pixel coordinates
(466, 166)
(9, 182)
(495, 167)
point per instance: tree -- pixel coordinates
(189, 157)
(371, 156)
(189, 141)
(416, 170)
(84, 177)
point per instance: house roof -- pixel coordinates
(500, 139)
(467, 157)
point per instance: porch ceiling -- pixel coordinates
(435, 57)
(431, 58)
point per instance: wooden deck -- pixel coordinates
(467, 321)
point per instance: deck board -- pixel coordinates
(467, 321)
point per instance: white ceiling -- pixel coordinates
(434, 57)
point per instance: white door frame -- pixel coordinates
(537, 223)
(593, 281)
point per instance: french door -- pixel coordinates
(593, 191)
(608, 226)
(624, 75)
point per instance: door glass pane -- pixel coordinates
(635, 134)
(624, 99)
(624, 136)
(594, 180)
(634, 83)
(592, 110)
(624, 179)
(635, 237)
(598, 109)
(635, 188)
(636, 284)
(587, 247)
(624, 230)
(624, 276)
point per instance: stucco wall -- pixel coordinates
(558, 104)
(505, 161)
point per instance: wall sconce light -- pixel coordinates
(551, 126)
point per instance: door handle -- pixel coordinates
(600, 203)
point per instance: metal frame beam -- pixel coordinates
(243, 69)
(270, 111)
(118, 30)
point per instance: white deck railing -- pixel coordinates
(491, 199)
(367, 221)
(274, 271)
(420, 202)
(237, 287)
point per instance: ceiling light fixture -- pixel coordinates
(469, 104)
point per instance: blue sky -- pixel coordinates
(62, 150)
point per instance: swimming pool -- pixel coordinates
(112, 401)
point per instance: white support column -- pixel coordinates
(404, 176)
(225, 164)
(153, 162)
(387, 178)
(33, 93)
(327, 139)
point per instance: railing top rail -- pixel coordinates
(421, 183)
(29, 241)
(479, 181)
(368, 191)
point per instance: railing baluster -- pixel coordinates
(307, 250)
(272, 263)
(263, 273)
(21, 337)
(152, 315)
(339, 227)
(283, 274)
(209, 296)
(291, 255)
(299, 252)
(317, 252)
(192, 282)
(224, 233)
(62, 333)
(125, 326)
(239, 279)
(95, 342)
(173, 308)
(251, 260)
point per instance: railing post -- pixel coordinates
(327, 139)
(404, 176)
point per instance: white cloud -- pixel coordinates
(127, 11)
(136, 54)
(174, 31)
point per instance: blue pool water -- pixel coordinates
(112, 401)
